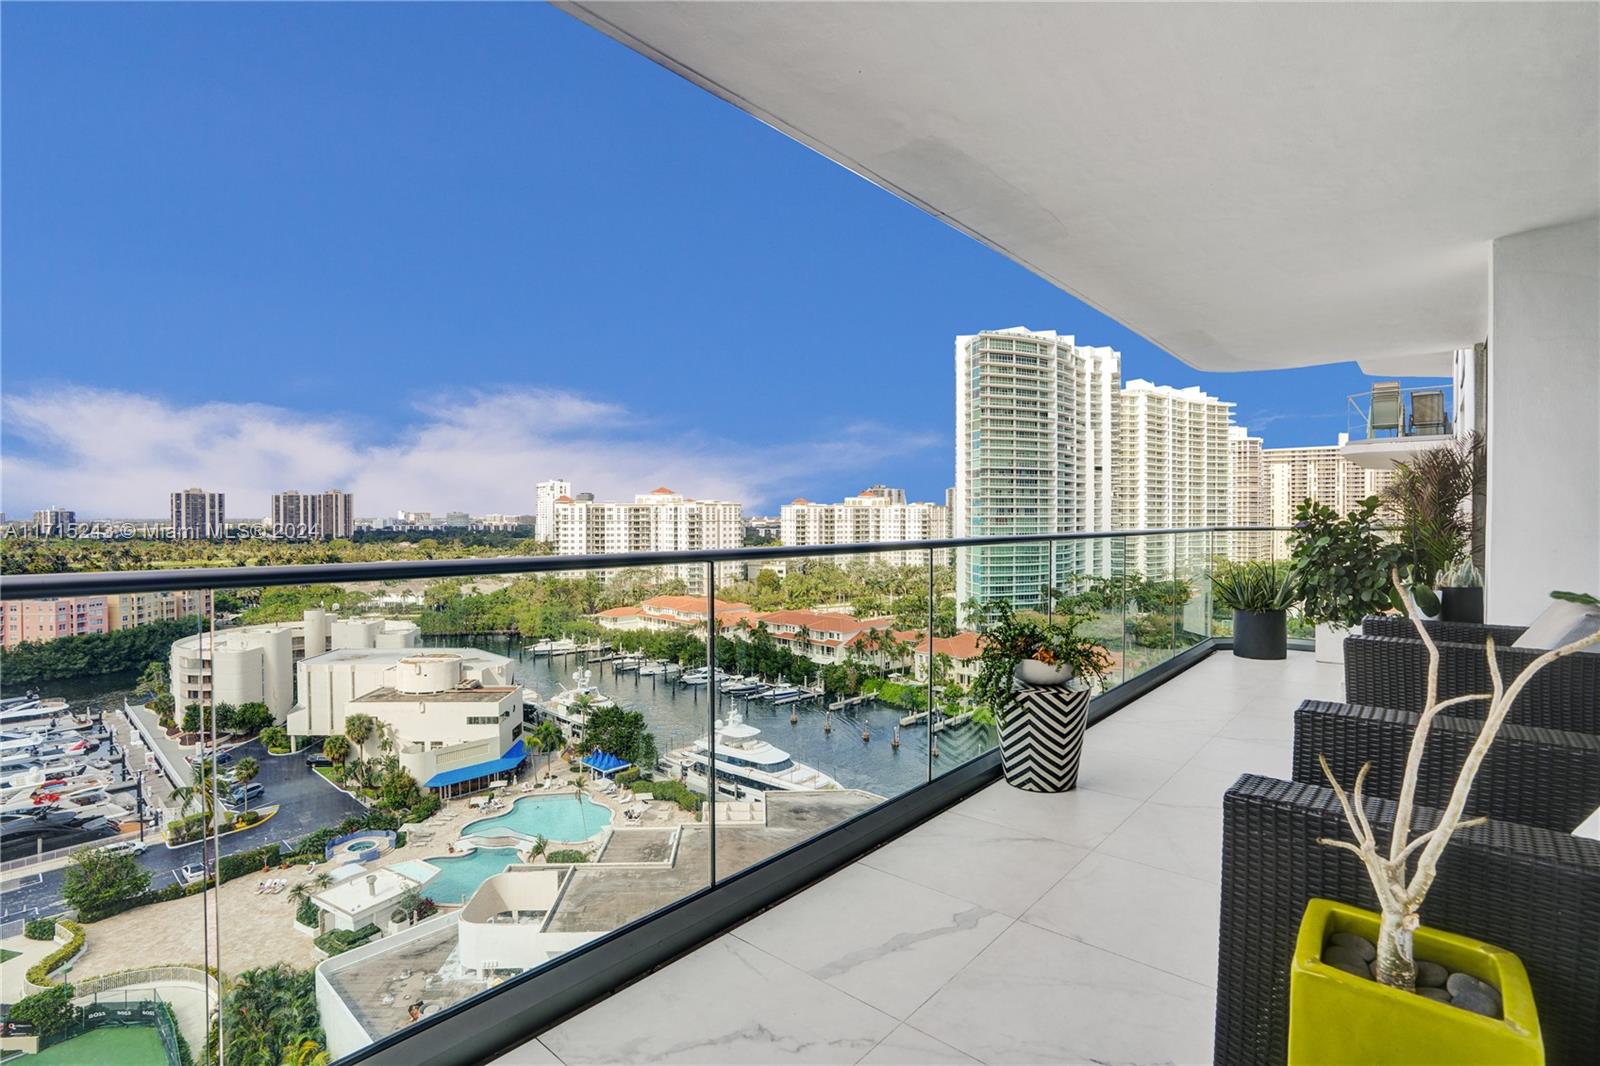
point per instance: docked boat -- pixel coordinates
(31, 708)
(657, 668)
(701, 676)
(740, 686)
(746, 764)
(782, 694)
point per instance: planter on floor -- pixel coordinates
(1330, 642)
(1461, 604)
(1041, 737)
(1260, 634)
(1337, 1017)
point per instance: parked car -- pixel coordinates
(191, 872)
(223, 757)
(124, 847)
(240, 794)
(316, 759)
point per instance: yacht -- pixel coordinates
(657, 668)
(700, 676)
(781, 694)
(746, 764)
(30, 707)
(740, 686)
(563, 708)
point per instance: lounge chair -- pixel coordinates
(1427, 413)
(1386, 411)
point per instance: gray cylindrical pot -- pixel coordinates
(1260, 634)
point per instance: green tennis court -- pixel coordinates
(122, 1045)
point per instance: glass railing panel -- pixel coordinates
(1193, 558)
(824, 710)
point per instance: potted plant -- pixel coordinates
(1341, 569)
(1461, 598)
(1428, 496)
(1259, 594)
(1357, 990)
(1041, 721)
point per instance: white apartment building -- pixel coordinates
(1321, 473)
(256, 664)
(313, 515)
(1248, 497)
(657, 521)
(876, 514)
(454, 715)
(546, 493)
(54, 522)
(1170, 472)
(197, 514)
(1035, 413)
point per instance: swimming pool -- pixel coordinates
(460, 876)
(552, 817)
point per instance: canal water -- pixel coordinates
(677, 715)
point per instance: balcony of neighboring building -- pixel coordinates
(1388, 424)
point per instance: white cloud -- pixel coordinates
(117, 454)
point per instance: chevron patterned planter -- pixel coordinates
(1042, 738)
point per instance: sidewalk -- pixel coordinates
(172, 756)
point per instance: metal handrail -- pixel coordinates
(44, 586)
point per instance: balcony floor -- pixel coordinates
(1013, 927)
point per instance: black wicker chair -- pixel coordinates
(1393, 672)
(1539, 777)
(1395, 625)
(1531, 891)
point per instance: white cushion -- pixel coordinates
(1560, 623)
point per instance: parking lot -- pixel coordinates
(305, 801)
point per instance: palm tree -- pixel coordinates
(321, 880)
(244, 773)
(358, 728)
(300, 891)
(336, 748)
(540, 846)
(306, 1053)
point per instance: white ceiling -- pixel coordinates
(1248, 185)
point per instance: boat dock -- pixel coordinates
(851, 701)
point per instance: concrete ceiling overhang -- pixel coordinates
(1247, 185)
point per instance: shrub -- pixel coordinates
(247, 818)
(49, 1012)
(184, 830)
(424, 809)
(308, 914)
(39, 972)
(566, 855)
(276, 738)
(185, 1056)
(626, 777)
(670, 790)
(339, 941)
(1157, 631)
(248, 862)
(40, 929)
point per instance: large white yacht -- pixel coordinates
(746, 764)
(563, 706)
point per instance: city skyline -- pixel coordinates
(149, 347)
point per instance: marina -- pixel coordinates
(793, 719)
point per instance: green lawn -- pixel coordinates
(133, 1045)
(6, 954)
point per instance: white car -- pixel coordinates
(125, 847)
(190, 873)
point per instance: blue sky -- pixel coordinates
(437, 253)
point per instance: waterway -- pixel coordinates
(679, 715)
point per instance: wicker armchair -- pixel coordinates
(1398, 625)
(1539, 777)
(1393, 672)
(1531, 891)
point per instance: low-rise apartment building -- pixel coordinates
(877, 514)
(687, 613)
(965, 651)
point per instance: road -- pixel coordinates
(306, 802)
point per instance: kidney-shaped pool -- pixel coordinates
(563, 818)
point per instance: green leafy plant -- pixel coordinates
(1427, 494)
(1341, 565)
(1464, 576)
(49, 1012)
(569, 855)
(1255, 586)
(1011, 636)
(39, 972)
(96, 878)
(40, 929)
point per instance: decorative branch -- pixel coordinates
(1400, 899)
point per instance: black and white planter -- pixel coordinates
(1041, 737)
(1260, 634)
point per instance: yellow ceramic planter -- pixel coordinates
(1339, 1019)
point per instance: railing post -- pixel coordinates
(711, 710)
(931, 654)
